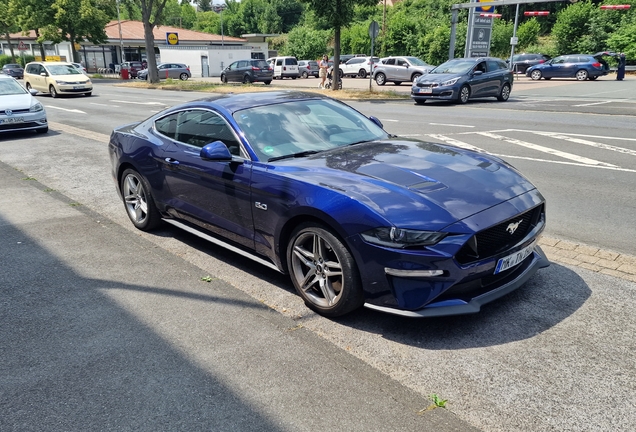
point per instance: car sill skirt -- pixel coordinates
(474, 306)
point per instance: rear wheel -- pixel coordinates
(535, 75)
(504, 94)
(581, 75)
(247, 79)
(362, 73)
(323, 271)
(464, 94)
(305, 74)
(184, 76)
(28, 87)
(380, 79)
(52, 91)
(267, 82)
(138, 200)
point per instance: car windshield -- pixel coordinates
(454, 67)
(10, 87)
(297, 127)
(62, 70)
(416, 62)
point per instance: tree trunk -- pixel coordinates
(71, 39)
(42, 52)
(150, 52)
(8, 38)
(335, 74)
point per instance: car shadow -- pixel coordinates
(550, 297)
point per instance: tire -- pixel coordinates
(419, 101)
(267, 82)
(140, 206)
(28, 87)
(504, 94)
(593, 78)
(247, 79)
(362, 73)
(184, 76)
(397, 82)
(380, 79)
(582, 75)
(547, 79)
(535, 75)
(323, 271)
(294, 77)
(305, 74)
(43, 130)
(223, 78)
(53, 92)
(88, 94)
(415, 76)
(464, 94)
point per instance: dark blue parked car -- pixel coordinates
(308, 186)
(462, 79)
(579, 66)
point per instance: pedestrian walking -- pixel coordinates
(322, 73)
(620, 71)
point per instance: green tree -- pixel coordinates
(33, 15)
(151, 16)
(336, 14)
(528, 33)
(306, 43)
(188, 15)
(207, 22)
(8, 25)
(204, 5)
(571, 25)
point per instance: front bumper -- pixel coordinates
(74, 88)
(432, 92)
(23, 122)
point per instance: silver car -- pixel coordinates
(168, 70)
(19, 110)
(400, 69)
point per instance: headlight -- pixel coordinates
(450, 82)
(87, 82)
(402, 238)
(61, 82)
(36, 107)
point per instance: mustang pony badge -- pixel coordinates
(512, 227)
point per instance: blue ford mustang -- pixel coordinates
(310, 187)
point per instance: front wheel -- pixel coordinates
(504, 94)
(593, 78)
(380, 79)
(581, 75)
(535, 75)
(224, 78)
(415, 76)
(184, 76)
(52, 91)
(464, 95)
(323, 271)
(140, 206)
(88, 94)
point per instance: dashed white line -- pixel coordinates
(451, 125)
(138, 103)
(65, 109)
(613, 168)
(588, 143)
(592, 103)
(106, 105)
(389, 120)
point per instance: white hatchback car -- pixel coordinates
(56, 78)
(19, 110)
(357, 67)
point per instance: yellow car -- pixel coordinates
(56, 78)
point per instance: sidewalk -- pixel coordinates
(102, 330)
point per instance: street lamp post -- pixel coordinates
(219, 9)
(121, 40)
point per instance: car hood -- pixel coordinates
(438, 78)
(15, 102)
(401, 179)
(80, 77)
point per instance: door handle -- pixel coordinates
(171, 161)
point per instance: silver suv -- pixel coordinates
(399, 70)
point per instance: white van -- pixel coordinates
(284, 67)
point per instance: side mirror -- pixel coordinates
(33, 91)
(43, 74)
(477, 73)
(376, 121)
(216, 151)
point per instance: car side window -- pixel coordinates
(481, 67)
(492, 65)
(242, 64)
(390, 62)
(279, 62)
(558, 60)
(201, 127)
(402, 62)
(167, 125)
(291, 62)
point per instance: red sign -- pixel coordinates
(490, 15)
(536, 13)
(22, 46)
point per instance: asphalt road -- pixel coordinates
(555, 355)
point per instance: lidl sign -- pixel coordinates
(172, 38)
(489, 9)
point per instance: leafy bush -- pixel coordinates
(5, 59)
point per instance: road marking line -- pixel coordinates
(409, 135)
(389, 120)
(95, 136)
(548, 150)
(452, 125)
(456, 143)
(569, 134)
(65, 109)
(613, 168)
(588, 143)
(139, 103)
(106, 105)
(593, 103)
(605, 92)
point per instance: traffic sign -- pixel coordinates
(22, 46)
(374, 29)
(536, 13)
(616, 6)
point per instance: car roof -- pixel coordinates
(12, 64)
(240, 101)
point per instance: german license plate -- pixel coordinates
(425, 90)
(11, 120)
(78, 87)
(513, 259)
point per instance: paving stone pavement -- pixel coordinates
(592, 258)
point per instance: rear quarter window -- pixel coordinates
(291, 62)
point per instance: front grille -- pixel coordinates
(75, 90)
(427, 85)
(16, 126)
(18, 111)
(498, 238)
